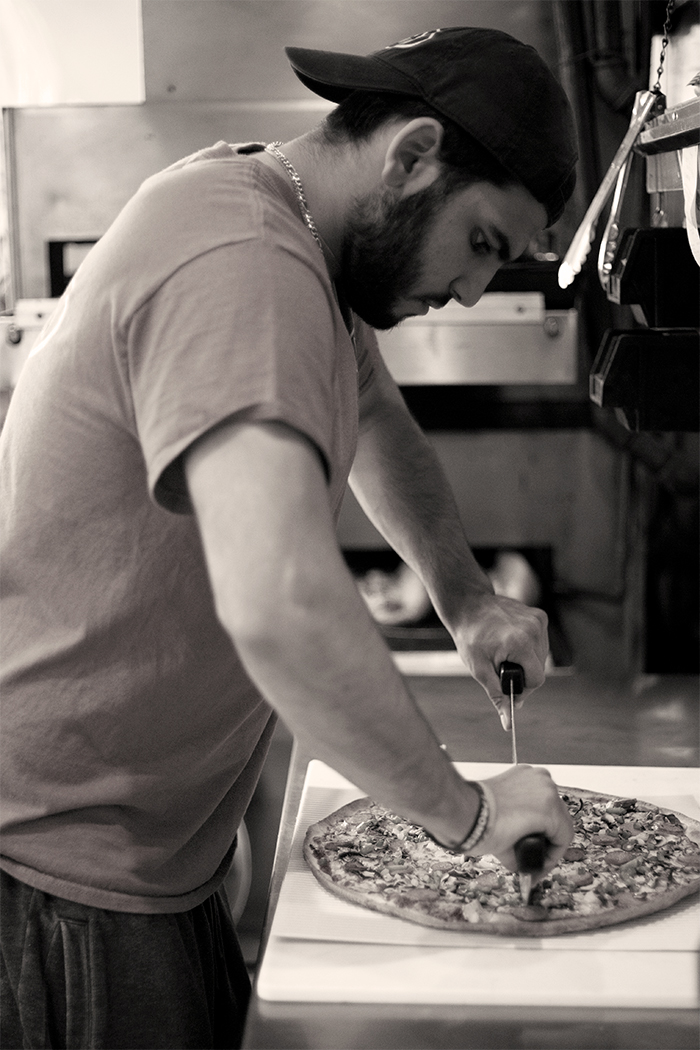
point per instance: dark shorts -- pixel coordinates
(75, 976)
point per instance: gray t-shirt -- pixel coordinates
(132, 736)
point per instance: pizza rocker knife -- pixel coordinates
(531, 850)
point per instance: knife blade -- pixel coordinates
(531, 850)
(512, 683)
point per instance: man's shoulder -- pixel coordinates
(224, 182)
(224, 164)
(202, 159)
(218, 165)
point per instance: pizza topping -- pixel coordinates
(616, 857)
(559, 899)
(580, 877)
(419, 894)
(575, 853)
(489, 880)
(689, 860)
(472, 912)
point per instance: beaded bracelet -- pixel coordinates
(485, 811)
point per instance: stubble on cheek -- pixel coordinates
(382, 253)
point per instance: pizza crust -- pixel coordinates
(428, 907)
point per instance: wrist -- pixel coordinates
(465, 605)
(483, 822)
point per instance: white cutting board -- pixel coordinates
(324, 949)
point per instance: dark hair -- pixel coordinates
(466, 161)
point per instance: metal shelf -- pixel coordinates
(675, 129)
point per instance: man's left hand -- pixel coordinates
(493, 628)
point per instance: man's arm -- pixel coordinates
(400, 484)
(304, 635)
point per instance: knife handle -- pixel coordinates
(511, 674)
(530, 853)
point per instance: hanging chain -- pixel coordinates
(274, 149)
(664, 44)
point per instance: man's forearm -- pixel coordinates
(400, 484)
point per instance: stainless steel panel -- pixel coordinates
(75, 167)
(506, 339)
(234, 49)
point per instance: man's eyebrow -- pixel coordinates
(502, 242)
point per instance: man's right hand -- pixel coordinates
(526, 802)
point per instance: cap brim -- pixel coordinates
(334, 75)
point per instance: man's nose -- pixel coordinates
(467, 290)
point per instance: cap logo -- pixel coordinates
(414, 41)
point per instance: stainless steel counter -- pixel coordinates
(650, 721)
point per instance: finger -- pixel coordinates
(553, 855)
(559, 840)
(485, 674)
(501, 701)
(533, 670)
(503, 711)
(532, 659)
(530, 651)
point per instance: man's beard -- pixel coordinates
(381, 257)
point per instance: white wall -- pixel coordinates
(78, 52)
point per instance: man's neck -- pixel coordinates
(332, 177)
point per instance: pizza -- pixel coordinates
(628, 859)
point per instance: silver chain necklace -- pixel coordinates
(273, 149)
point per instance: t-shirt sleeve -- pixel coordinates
(247, 330)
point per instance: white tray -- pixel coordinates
(324, 949)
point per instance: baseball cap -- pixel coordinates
(490, 84)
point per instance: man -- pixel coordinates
(174, 460)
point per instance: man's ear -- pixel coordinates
(411, 162)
